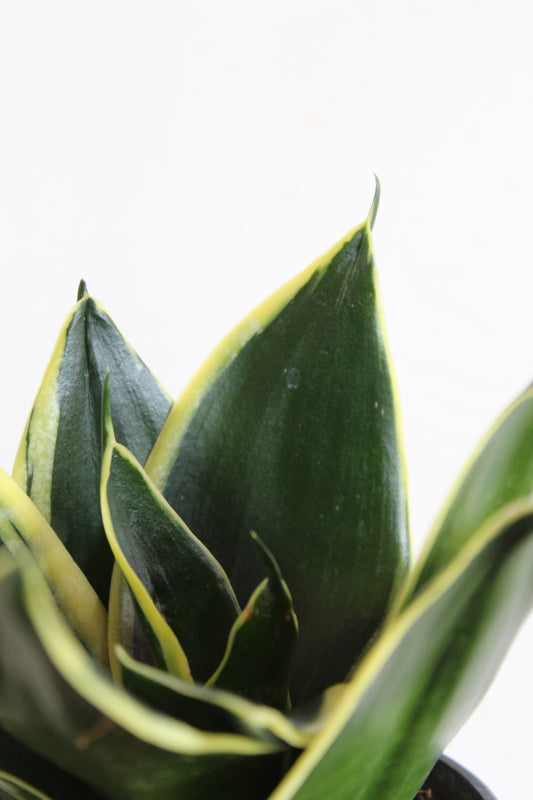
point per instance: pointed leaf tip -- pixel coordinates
(82, 290)
(372, 214)
(269, 561)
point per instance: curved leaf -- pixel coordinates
(22, 527)
(166, 566)
(207, 708)
(425, 674)
(311, 717)
(12, 788)
(290, 428)
(54, 699)
(500, 470)
(59, 457)
(260, 644)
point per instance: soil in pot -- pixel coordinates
(450, 781)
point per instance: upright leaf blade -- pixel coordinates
(425, 674)
(260, 644)
(59, 457)
(291, 429)
(166, 566)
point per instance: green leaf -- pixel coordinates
(12, 788)
(129, 629)
(59, 457)
(291, 428)
(311, 717)
(22, 764)
(181, 589)
(55, 700)
(426, 672)
(22, 527)
(205, 707)
(500, 470)
(257, 658)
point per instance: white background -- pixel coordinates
(186, 158)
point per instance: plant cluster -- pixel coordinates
(212, 598)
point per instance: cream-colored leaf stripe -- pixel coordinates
(173, 653)
(23, 526)
(121, 620)
(388, 642)
(77, 668)
(34, 460)
(165, 450)
(410, 583)
(256, 717)
(241, 620)
(19, 790)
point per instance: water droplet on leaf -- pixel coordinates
(293, 378)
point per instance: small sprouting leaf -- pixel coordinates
(60, 454)
(260, 645)
(181, 589)
(291, 428)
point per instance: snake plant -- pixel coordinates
(212, 599)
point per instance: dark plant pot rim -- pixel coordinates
(448, 780)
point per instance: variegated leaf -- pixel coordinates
(59, 457)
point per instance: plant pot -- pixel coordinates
(450, 781)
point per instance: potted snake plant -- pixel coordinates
(213, 597)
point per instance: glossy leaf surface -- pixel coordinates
(165, 565)
(260, 645)
(59, 458)
(290, 429)
(425, 674)
(53, 699)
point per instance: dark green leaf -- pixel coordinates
(54, 700)
(291, 429)
(204, 707)
(256, 662)
(59, 458)
(166, 566)
(128, 628)
(24, 765)
(425, 674)
(13, 789)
